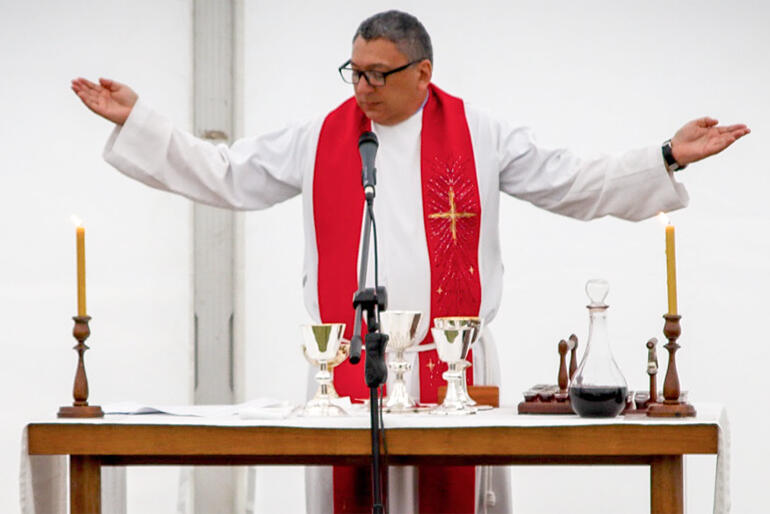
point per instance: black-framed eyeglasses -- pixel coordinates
(373, 77)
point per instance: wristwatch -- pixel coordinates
(668, 156)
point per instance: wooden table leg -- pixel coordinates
(666, 485)
(85, 485)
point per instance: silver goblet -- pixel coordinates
(473, 322)
(401, 327)
(342, 354)
(452, 345)
(321, 348)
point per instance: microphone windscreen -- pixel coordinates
(368, 137)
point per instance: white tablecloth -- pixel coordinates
(43, 479)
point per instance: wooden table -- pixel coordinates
(91, 445)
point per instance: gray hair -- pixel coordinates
(401, 28)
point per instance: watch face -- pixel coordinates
(668, 156)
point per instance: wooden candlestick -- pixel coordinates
(80, 407)
(671, 407)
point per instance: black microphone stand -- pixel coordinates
(372, 301)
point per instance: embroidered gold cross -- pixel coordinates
(452, 215)
(430, 365)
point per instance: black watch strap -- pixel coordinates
(668, 156)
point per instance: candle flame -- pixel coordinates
(76, 221)
(663, 218)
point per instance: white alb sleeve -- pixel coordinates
(253, 173)
(634, 185)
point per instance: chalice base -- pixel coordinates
(398, 399)
(321, 404)
(321, 411)
(401, 408)
(451, 410)
(454, 403)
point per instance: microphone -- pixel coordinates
(367, 147)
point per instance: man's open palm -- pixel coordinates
(109, 99)
(701, 138)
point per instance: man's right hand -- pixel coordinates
(109, 99)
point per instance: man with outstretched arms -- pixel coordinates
(442, 165)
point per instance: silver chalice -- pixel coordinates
(401, 328)
(454, 322)
(323, 347)
(452, 345)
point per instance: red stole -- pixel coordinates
(452, 217)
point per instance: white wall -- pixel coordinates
(594, 76)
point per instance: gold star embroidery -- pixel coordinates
(430, 365)
(439, 290)
(471, 270)
(452, 215)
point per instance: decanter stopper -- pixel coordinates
(597, 290)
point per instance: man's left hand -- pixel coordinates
(701, 138)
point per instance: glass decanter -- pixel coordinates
(598, 389)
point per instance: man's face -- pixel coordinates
(403, 92)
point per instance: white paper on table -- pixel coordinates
(202, 411)
(286, 410)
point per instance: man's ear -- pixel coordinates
(425, 68)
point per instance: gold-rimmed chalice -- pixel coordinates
(455, 322)
(452, 345)
(322, 346)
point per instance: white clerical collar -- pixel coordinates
(427, 94)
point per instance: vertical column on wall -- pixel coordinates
(244, 479)
(214, 242)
